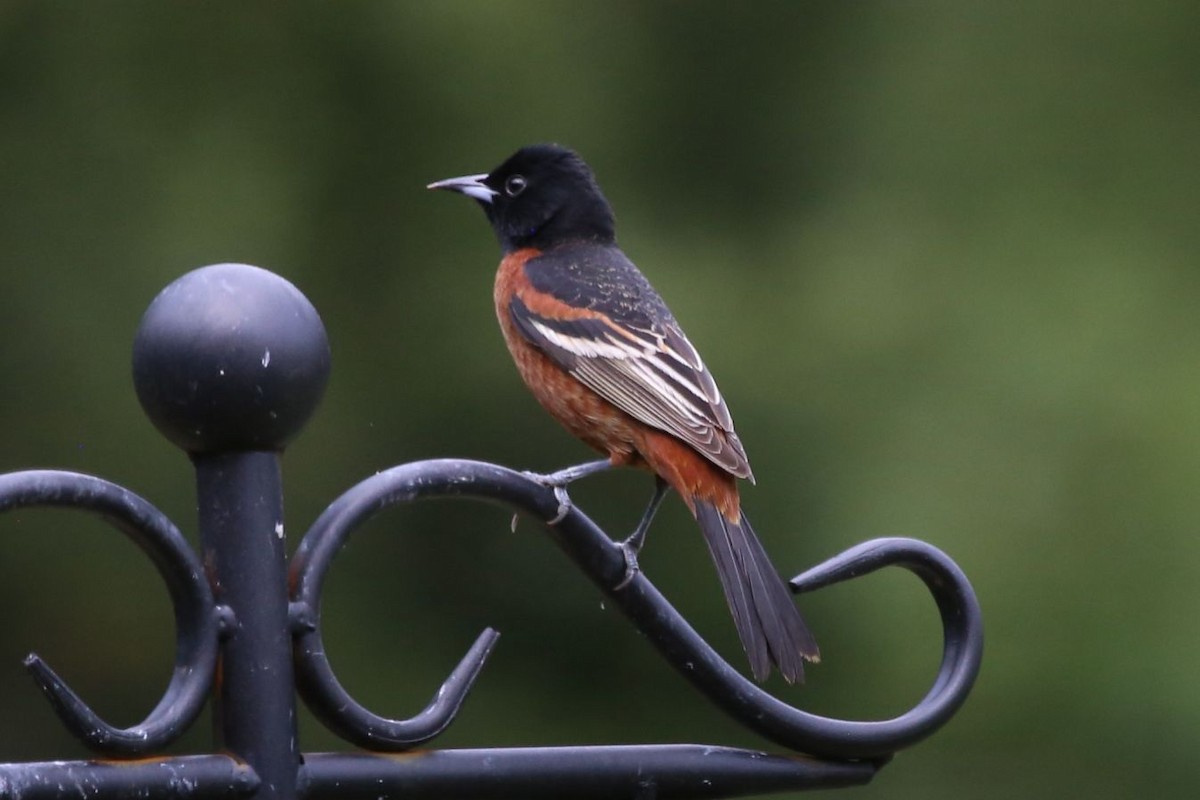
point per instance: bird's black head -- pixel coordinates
(541, 196)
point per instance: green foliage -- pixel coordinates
(941, 258)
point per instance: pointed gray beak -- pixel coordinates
(470, 185)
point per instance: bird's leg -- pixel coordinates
(559, 481)
(571, 474)
(631, 546)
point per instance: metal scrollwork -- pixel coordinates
(602, 561)
(196, 617)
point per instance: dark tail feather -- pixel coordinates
(766, 617)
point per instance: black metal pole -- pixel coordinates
(229, 362)
(206, 777)
(597, 772)
(242, 541)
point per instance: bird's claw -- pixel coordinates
(629, 551)
(564, 505)
(560, 493)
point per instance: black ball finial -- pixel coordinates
(228, 358)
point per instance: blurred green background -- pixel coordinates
(942, 258)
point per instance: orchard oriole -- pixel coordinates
(602, 353)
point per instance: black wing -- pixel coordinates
(634, 355)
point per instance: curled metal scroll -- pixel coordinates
(315, 679)
(196, 623)
(602, 560)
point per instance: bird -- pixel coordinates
(602, 353)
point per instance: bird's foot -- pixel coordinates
(631, 546)
(564, 505)
(558, 481)
(560, 494)
(630, 551)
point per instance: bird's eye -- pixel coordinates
(514, 185)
